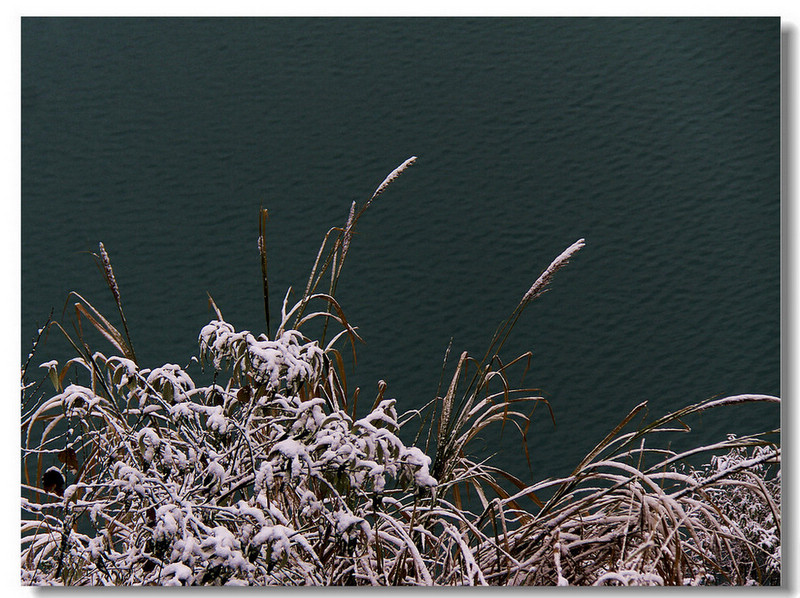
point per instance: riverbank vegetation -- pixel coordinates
(255, 464)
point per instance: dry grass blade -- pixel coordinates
(262, 250)
(610, 436)
(102, 325)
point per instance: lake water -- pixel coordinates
(658, 140)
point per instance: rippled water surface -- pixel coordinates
(656, 140)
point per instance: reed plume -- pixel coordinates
(392, 176)
(540, 286)
(348, 229)
(109, 272)
(111, 281)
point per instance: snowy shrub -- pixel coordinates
(252, 466)
(746, 504)
(252, 481)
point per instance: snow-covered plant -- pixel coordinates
(251, 465)
(634, 515)
(258, 480)
(743, 487)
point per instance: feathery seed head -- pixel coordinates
(392, 176)
(112, 281)
(348, 229)
(541, 283)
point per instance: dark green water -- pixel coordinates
(657, 140)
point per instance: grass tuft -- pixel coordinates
(135, 475)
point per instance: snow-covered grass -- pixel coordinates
(266, 474)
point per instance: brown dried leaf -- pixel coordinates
(69, 458)
(244, 393)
